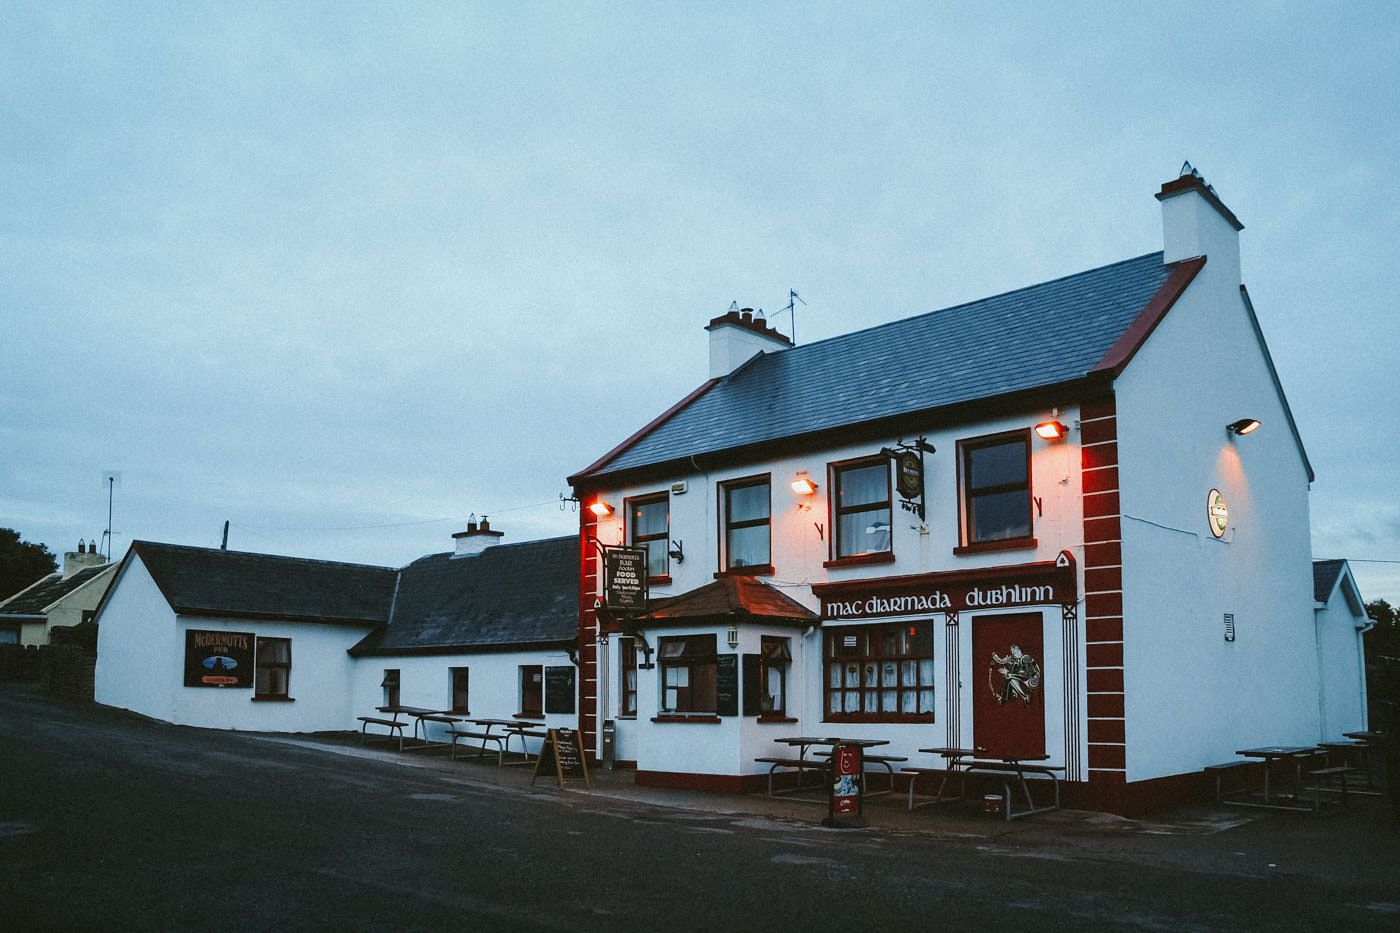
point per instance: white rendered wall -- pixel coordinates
(69, 610)
(798, 552)
(1191, 698)
(139, 664)
(493, 685)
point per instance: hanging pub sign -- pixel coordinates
(1037, 584)
(218, 659)
(625, 579)
(909, 473)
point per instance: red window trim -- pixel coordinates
(833, 510)
(1006, 544)
(272, 698)
(752, 571)
(773, 717)
(722, 521)
(964, 528)
(663, 580)
(860, 560)
(705, 718)
(662, 496)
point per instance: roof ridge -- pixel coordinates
(303, 560)
(960, 305)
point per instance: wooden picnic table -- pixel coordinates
(802, 764)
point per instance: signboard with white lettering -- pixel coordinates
(1038, 584)
(218, 659)
(625, 579)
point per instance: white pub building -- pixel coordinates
(1070, 520)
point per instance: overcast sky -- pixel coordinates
(342, 274)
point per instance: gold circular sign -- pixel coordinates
(1217, 513)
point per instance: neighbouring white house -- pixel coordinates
(1341, 621)
(235, 640)
(1070, 520)
(67, 597)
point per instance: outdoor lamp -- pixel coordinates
(600, 508)
(1243, 426)
(803, 485)
(1051, 430)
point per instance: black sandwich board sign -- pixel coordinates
(625, 579)
(562, 755)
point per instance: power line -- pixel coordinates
(424, 521)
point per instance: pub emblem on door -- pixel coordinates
(1013, 677)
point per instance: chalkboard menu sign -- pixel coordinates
(727, 685)
(218, 659)
(559, 689)
(562, 755)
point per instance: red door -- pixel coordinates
(1008, 703)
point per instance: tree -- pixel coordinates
(1384, 639)
(21, 563)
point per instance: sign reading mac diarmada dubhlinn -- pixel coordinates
(1036, 584)
(218, 659)
(625, 579)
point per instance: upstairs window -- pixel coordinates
(688, 674)
(746, 525)
(862, 507)
(649, 527)
(996, 488)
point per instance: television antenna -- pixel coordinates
(111, 479)
(791, 309)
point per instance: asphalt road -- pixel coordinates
(109, 822)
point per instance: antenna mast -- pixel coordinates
(791, 310)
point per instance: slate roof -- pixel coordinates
(509, 595)
(207, 581)
(1325, 574)
(1035, 337)
(36, 599)
(735, 598)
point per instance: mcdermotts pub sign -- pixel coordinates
(1037, 584)
(218, 659)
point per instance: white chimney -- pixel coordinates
(1195, 222)
(476, 538)
(737, 336)
(81, 559)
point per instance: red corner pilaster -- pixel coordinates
(1103, 592)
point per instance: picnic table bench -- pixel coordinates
(799, 765)
(481, 739)
(391, 727)
(1003, 770)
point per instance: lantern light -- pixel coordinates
(1243, 426)
(803, 485)
(1051, 430)
(600, 508)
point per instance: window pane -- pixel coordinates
(999, 465)
(748, 547)
(658, 560)
(649, 518)
(863, 532)
(1000, 515)
(863, 485)
(746, 503)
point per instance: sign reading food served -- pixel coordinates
(625, 579)
(218, 659)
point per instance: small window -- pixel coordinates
(390, 683)
(746, 530)
(532, 690)
(627, 688)
(9, 633)
(459, 681)
(774, 658)
(996, 488)
(649, 527)
(879, 673)
(274, 667)
(688, 674)
(862, 507)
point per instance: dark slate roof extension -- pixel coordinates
(238, 584)
(36, 599)
(508, 596)
(1325, 574)
(1052, 334)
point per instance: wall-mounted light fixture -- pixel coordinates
(600, 508)
(677, 551)
(1242, 427)
(1052, 430)
(803, 485)
(733, 636)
